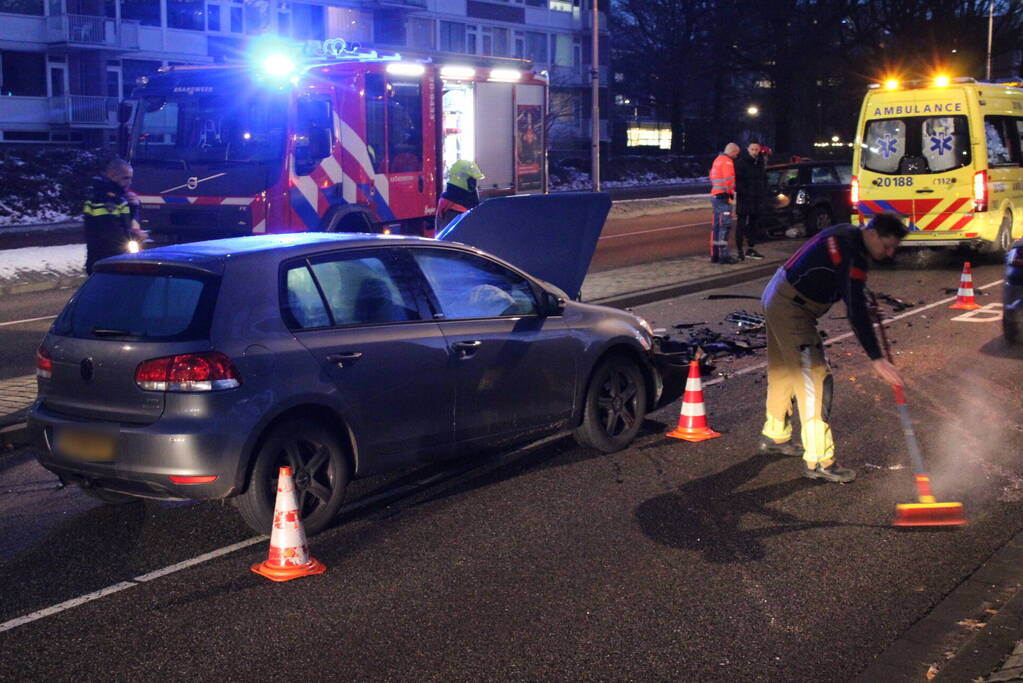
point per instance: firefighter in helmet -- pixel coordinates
(460, 194)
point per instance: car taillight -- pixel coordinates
(980, 191)
(207, 371)
(44, 363)
(854, 193)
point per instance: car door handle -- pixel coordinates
(925, 189)
(464, 349)
(421, 184)
(343, 359)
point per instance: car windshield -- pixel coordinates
(916, 144)
(151, 306)
(204, 129)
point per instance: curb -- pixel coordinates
(64, 282)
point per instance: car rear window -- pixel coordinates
(916, 144)
(153, 306)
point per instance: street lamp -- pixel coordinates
(752, 110)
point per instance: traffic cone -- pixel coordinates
(289, 555)
(964, 298)
(692, 419)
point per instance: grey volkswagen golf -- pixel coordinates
(195, 371)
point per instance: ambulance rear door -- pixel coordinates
(917, 160)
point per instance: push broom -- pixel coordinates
(926, 511)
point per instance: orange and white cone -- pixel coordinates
(692, 419)
(964, 298)
(289, 555)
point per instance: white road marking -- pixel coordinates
(213, 554)
(644, 232)
(27, 320)
(991, 313)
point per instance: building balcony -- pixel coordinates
(90, 111)
(87, 31)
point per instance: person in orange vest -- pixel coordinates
(722, 194)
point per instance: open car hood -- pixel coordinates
(550, 236)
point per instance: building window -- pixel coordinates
(257, 17)
(186, 14)
(145, 12)
(307, 21)
(518, 45)
(422, 34)
(536, 47)
(452, 36)
(649, 135)
(388, 27)
(471, 39)
(23, 74)
(495, 41)
(237, 24)
(213, 17)
(22, 6)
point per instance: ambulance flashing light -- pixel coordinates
(941, 81)
(891, 84)
(278, 65)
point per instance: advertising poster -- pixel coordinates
(528, 147)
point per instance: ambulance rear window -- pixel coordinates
(916, 144)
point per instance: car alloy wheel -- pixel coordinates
(615, 406)
(319, 469)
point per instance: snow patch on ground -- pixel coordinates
(8, 216)
(64, 261)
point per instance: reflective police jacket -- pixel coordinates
(107, 219)
(722, 176)
(833, 265)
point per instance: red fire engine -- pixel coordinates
(351, 141)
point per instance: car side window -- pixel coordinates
(348, 289)
(303, 303)
(364, 289)
(468, 286)
(823, 175)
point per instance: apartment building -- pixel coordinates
(65, 64)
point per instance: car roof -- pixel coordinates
(211, 255)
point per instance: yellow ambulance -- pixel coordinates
(946, 155)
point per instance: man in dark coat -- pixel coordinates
(750, 195)
(108, 213)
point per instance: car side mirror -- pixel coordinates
(551, 304)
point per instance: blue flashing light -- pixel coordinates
(278, 65)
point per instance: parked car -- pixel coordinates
(814, 193)
(195, 371)
(1012, 295)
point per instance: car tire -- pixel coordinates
(110, 497)
(614, 406)
(997, 250)
(817, 219)
(320, 469)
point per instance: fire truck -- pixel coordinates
(348, 141)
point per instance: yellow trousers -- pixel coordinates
(797, 370)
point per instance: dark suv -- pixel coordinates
(814, 193)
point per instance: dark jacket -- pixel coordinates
(833, 265)
(107, 221)
(750, 184)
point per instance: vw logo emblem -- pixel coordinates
(192, 183)
(86, 368)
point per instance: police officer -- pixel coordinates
(108, 213)
(460, 194)
(722, 194)
(830, 266)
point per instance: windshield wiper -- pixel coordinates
(109, 332)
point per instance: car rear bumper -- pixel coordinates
(144, 457)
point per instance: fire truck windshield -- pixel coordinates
(204, 129)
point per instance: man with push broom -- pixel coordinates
(830, 266)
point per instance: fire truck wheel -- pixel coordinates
(320, 471)
(614, 407)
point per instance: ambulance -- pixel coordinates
(946, 156)
(334, 138)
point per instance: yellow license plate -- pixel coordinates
(87, 446)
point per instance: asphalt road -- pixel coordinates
(669, 560)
